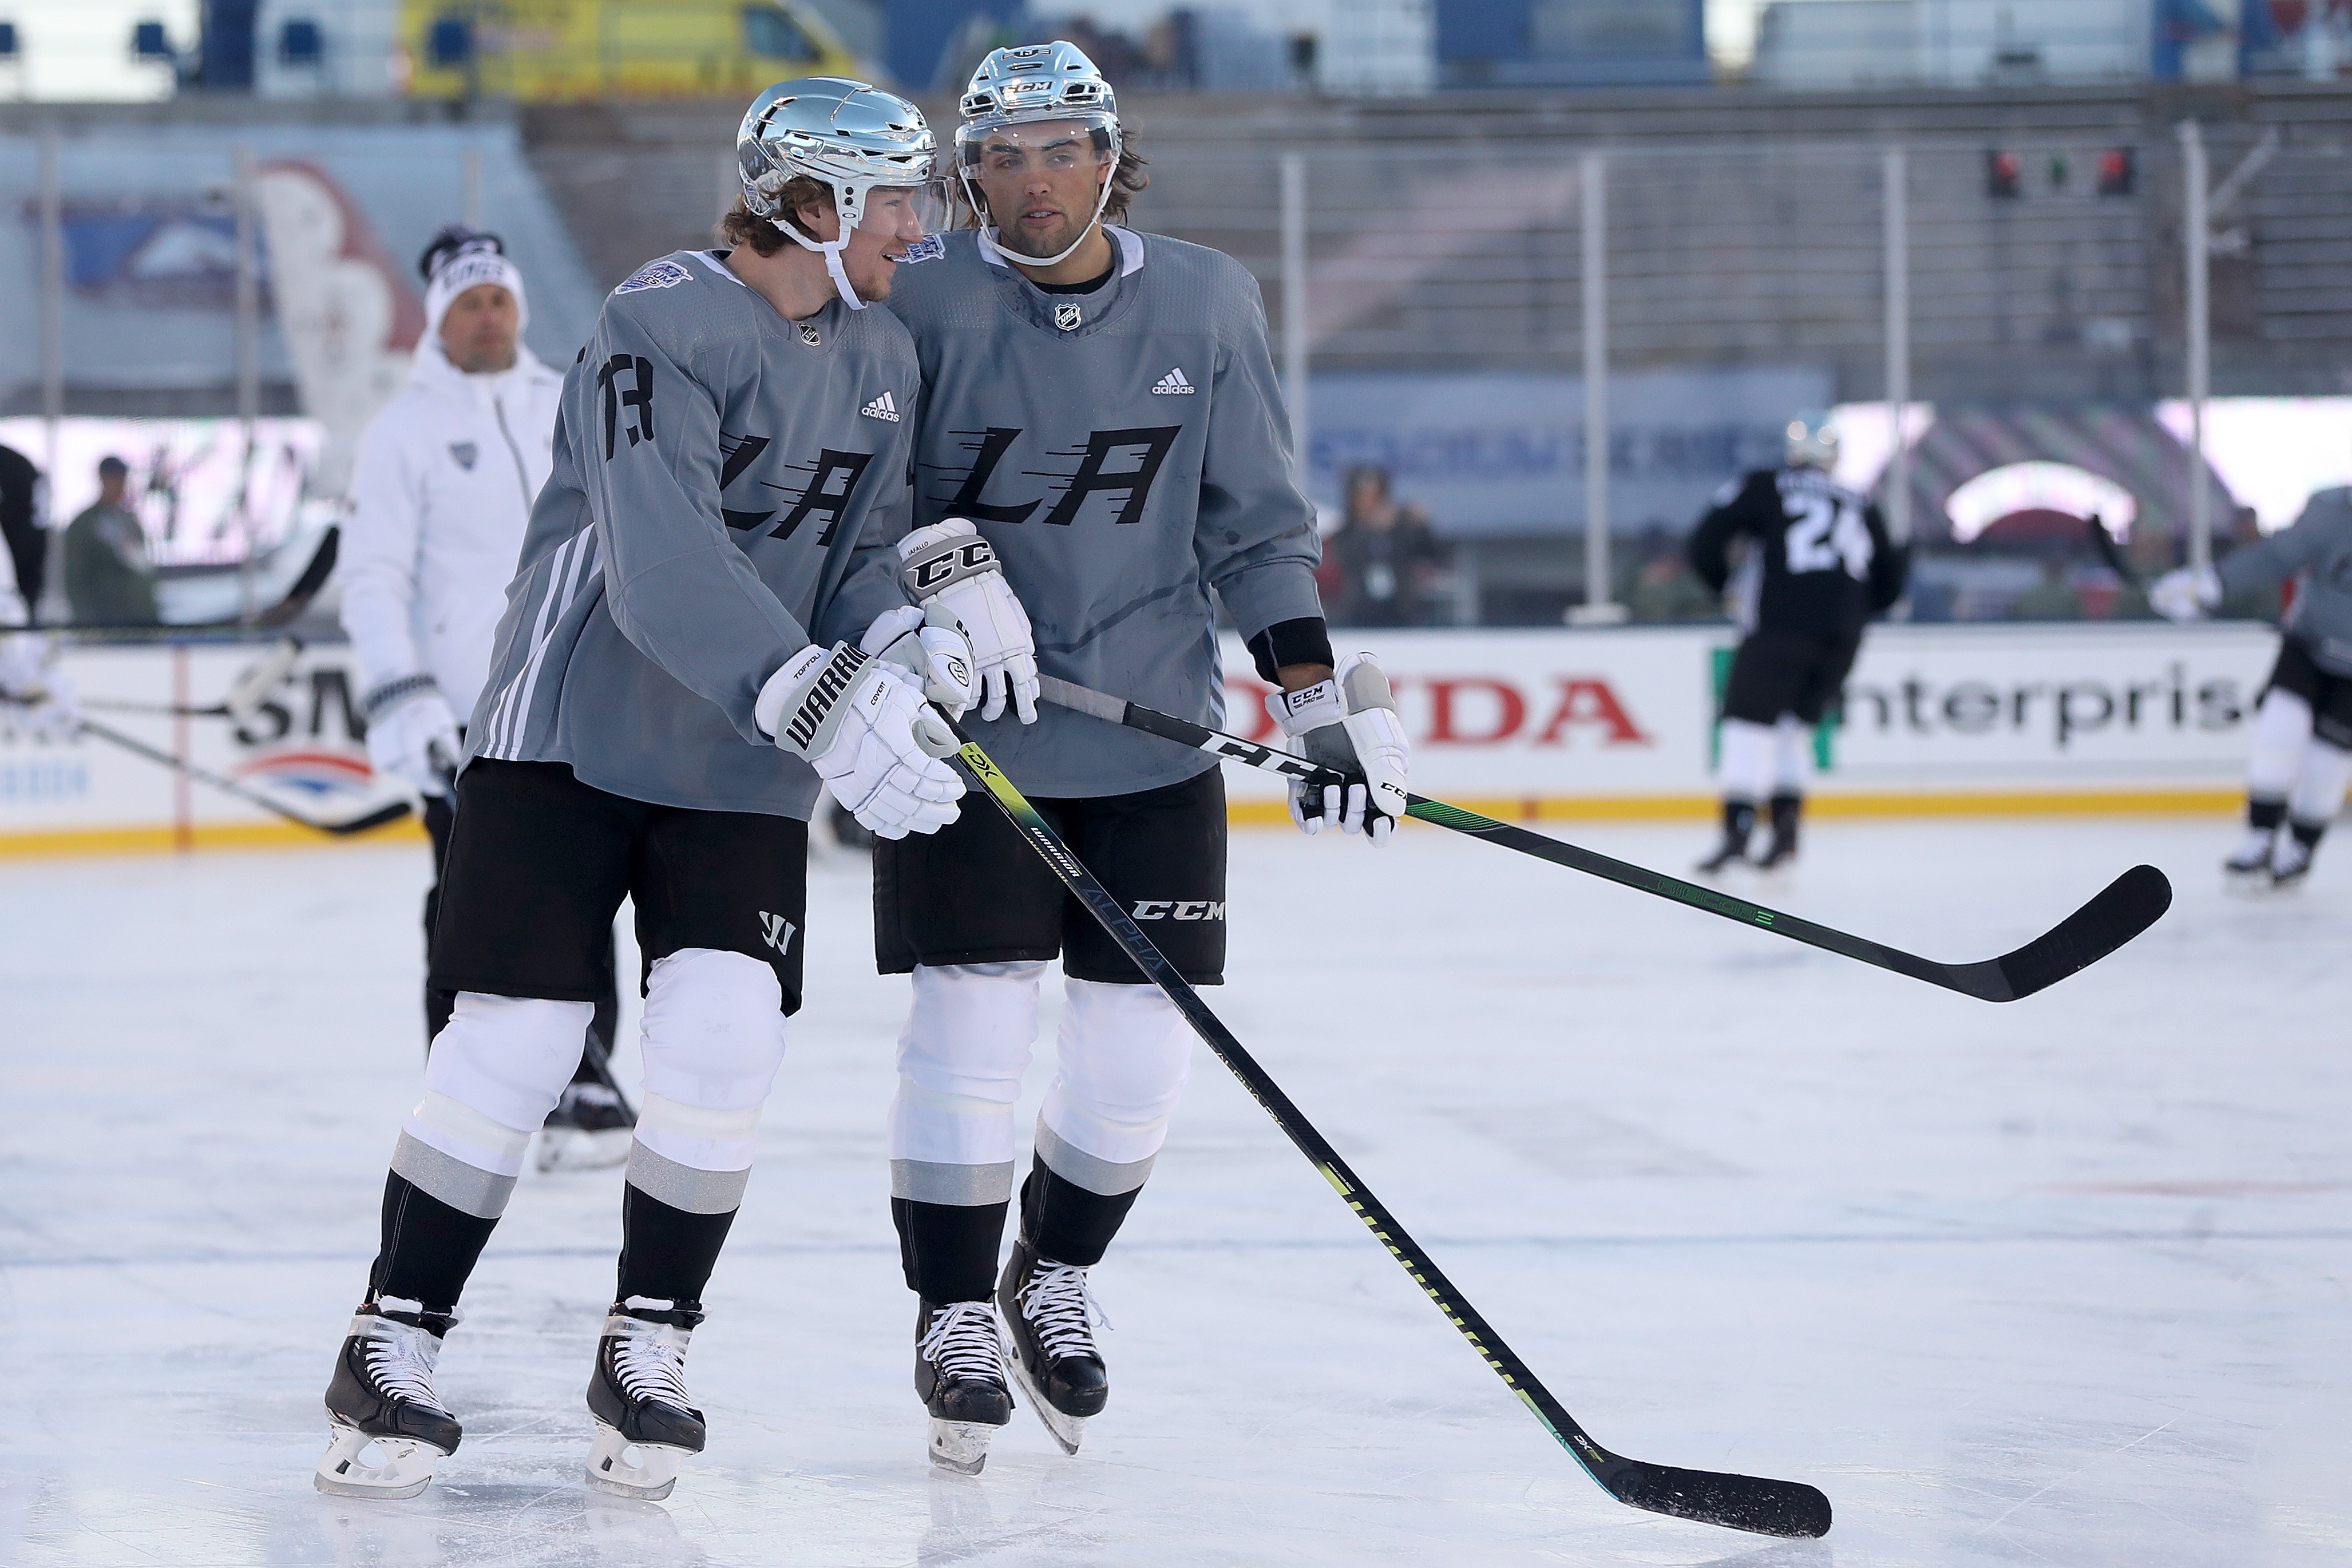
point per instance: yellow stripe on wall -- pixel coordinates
(221, 835)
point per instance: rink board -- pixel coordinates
(1524, 724)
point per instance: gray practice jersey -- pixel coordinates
(728, 488)
(1125, 450)
(2319, 547)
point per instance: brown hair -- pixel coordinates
(741, 226)
(1126, 182)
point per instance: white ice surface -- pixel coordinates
(2058, 1282)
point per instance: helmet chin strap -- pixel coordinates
(987, 236)
(831, 250)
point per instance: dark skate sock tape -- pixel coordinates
(429, 1248)
(948, 1250)
(2264, 816)
(666, 1253)
(1066, 1222)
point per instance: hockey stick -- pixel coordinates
(289, 609)
(1737, 1502)
(392, 811)
(252, 687)
(2105, 544)
(2120, 911)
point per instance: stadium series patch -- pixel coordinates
(659, 275)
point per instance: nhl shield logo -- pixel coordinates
(1068, 317)
(464, 452)
(809, 335)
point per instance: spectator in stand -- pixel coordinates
(109, 580)
(1666, 588)
(20, 523)
(1379, 563)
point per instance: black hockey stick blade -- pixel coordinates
(289, 607)
(1786, 1509)
(306, 586)
(2122, 908)
(1737, 1502)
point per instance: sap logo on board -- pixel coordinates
(1492, 711)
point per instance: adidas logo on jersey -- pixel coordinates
(1173, 385)
(881, 408)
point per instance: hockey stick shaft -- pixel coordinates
(1739, 1502)
(392, 812)
(2128, 906)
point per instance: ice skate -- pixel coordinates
(2248, 869)
(1780, 853)
(1052, 1317)
(589, 1129)
(389, 1428)
(2290, 858)
(960, 1377)
(645, 1423)
(1738, 824)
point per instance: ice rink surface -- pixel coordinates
(2062, 1282)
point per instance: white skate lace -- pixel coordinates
(1062, 1309)
(400, 1359)
(963, 1343)
(650, 1361)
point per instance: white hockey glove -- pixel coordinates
(856, 720)
(35, 699)
(949, 563)
(926, 642)
(1349, 722)
(411, 734)
(2186, 593)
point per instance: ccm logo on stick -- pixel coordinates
(1180, 908)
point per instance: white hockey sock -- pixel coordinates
(1792, 761)
(966, 1044)
(2281, 730)
(2319, 785)
(1745, 769)
(713, 1038)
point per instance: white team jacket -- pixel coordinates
(440, 495)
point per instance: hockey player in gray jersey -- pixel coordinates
(2303, 727)
(708, 620)
(1102, 434)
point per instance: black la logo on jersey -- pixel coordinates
(637, 397)
(1140, 452)
(833, 479)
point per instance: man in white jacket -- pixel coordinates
(440, 496)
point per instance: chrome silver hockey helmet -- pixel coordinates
(1022, 99)
(1812, 440)
(852, 138)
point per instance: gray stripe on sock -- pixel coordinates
(925, 1182)
(683, 1186)
(469, 1189)
(1075, 1164)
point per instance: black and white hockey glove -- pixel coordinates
(951, 565)
(34, 697)
(856, 720)
(2186, 593)
(1348, 722)
(926, 641)
(410, 732)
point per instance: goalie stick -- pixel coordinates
(1737, 1502)
(2118, 912)
(392, 811)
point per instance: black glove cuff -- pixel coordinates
(392, 693)
(1305, 640)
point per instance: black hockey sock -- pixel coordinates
(948, 1250)
(2264, 816)
(2308, 833)
(666, 1253)
(1738, 820)
(429, 1248)
(1066, 1222)
(1787, 805)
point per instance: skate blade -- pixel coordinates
(960, 1445)
(643, 1470)
(356, 1465)
(563, 1149)
(1065, 1430)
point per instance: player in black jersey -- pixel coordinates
(1818, 565)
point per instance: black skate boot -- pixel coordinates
(1738, 821)
(389, 1429)
(2291, 856)
(644, 1424)
(2248, 869)
(589, 1129)
(960, 1377)
(1782, 850)
(1052, 1317)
